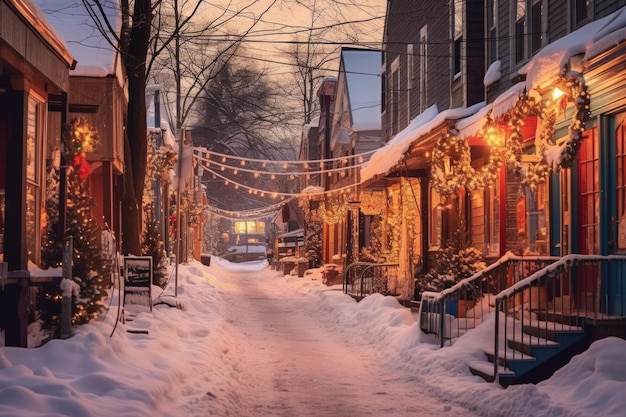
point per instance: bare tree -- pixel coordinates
(314, 50)
(140, 44)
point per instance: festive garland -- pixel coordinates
(552, 157)
(333, 209)
(575, 83)
(372, 202)
(447, 181)
(538, 172)
(546, 148)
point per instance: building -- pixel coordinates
(35, 68)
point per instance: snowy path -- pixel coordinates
(288, 362)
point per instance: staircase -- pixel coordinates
(534, 351)
(543, 312)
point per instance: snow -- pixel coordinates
(493, 74)
(248, 341)
(385, 158)
(590, 40)
(94, 55)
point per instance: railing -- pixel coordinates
(351, 276)
(556, 298)
(452, 312)
(365, 278)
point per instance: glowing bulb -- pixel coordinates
(243, 162)
(557, 94)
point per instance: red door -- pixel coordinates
(585, 284)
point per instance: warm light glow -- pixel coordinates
(557, 94)
(223, 159)
(242, 162)
(494, 136)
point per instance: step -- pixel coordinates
(550, 330)
(484, 370)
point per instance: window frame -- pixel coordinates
(410, 77)
(458, 28)
(578, 17)
(492, 31)
(423, 68)
(395, 96)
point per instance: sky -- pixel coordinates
(244, 340)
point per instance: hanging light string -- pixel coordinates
(359, 158)
(268, 211)
(258, 173)
(273, 194)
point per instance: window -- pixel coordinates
(529, 32)
(395, 97)
(423, 68)
(492, 34)
(409, 79)
(458, 36)
(493, 220)
(620, 180)
(520, 31)
(536, 26)
(581, 12)
(34, 146)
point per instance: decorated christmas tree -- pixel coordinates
(153, 246)
(88, 267)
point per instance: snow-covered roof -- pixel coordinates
(589, 41)
(362, 75)
(30, 11)
(385, 158)
(94, 55)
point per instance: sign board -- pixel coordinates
(137, 274)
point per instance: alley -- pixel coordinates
(290, 362)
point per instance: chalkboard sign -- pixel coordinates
(138, 280)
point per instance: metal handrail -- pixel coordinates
(349, 276)
(434, 315)
(531, 318)
(369, 269)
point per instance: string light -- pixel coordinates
(281, 162)
(198, 156)
(309, 192)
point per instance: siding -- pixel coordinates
(404, 20)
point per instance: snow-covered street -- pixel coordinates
(291, 360)
(243, 340)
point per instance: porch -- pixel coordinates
(541, 311)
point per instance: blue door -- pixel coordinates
(614, 224)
